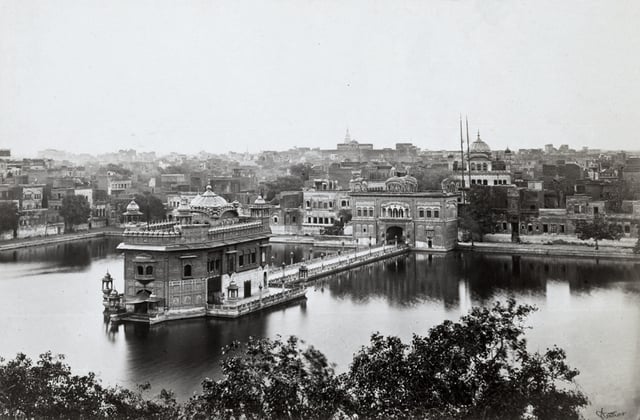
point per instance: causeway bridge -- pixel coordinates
(309, 270)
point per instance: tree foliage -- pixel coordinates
(301, 170)
(480, 215)
(151, 207)
(270, 379)
(48, 389)
(598, 229)
(476, 368)
(9, 217)
(282, 183)
(430, 179)
(75, 210)
(344, 217)
(118, 169)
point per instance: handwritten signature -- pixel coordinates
(609, 414)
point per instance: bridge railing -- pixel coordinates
(346, 260)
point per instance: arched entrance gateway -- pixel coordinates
(394, 232)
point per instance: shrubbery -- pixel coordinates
(478, 367)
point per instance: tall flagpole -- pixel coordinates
(468, 151)
(462, 152)
(462, 159)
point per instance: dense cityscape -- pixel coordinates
(333, 210)
(538, 193)
(203, 236)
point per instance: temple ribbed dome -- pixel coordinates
(208, 199)
(480, 146)
(132, 207)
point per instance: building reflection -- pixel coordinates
(184, 352)
(69, 254)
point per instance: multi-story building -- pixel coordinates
(479, 168)
(286, 217)
(210, 255)
(117, 187)
(399, 213)
(527, 217)
(322, 205)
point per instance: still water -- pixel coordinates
(50, 299)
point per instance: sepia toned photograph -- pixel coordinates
(305, 209)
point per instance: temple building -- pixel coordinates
(480, 168)
(132, 216)
(210, 254)
(398, 213)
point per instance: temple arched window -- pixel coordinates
(186, 272)
(473, 166)
(140, 270)
(484, 167)
(149, 270)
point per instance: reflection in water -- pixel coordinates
(50, 299)
(64, 255)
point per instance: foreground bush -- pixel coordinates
(478, 367)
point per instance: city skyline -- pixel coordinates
(238, 76)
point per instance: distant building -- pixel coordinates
(479, 168)
(286, 218)
(322, 205)
(118, 187)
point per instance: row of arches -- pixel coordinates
(483, 167)
(396, 212)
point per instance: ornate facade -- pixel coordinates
(208, 255)
(480, 168)
(399, 213)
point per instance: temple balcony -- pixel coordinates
(174, 234)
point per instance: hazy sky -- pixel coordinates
(96, 75)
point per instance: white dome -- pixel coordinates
(208, 199)
(132, 207)
(480, 146)
(259, 200)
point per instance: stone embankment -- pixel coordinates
(55, 239)
(552, 250)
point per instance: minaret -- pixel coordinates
(347, 137)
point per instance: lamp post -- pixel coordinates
(322, 258)
(283, 266)
(310, 253)
(291, 254)
(396, 241)
(369, 244)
